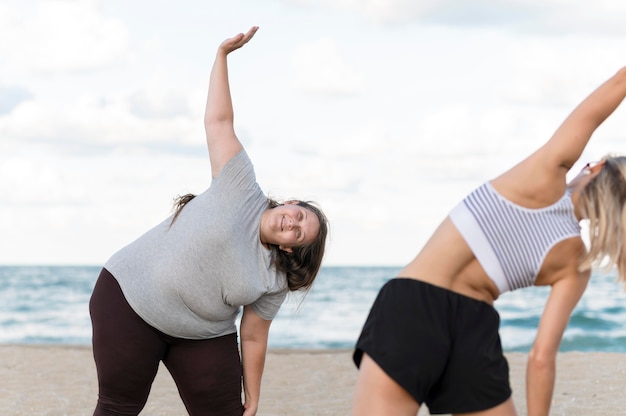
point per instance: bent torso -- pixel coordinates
(447, 261)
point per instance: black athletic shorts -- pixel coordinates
(440, 346)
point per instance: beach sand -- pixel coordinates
(61, 380)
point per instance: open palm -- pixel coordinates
(238, 41)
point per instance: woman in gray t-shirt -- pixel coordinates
(173, 294)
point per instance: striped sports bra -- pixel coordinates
(510, 241)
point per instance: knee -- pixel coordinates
(112, 407)
(218, 399)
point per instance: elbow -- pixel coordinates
(246, 334)
(216, 127)
(620, 76)
(619, 79)
(621, 73)
(252, 337)
(212, 121)
(541, 360)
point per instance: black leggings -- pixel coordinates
(127, 352)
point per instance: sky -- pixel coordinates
(386, 113)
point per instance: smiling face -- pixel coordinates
(289, 225)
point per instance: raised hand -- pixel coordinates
(237, 41)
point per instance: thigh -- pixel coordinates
(504, 409)
(126, 350)
(208, 374)
(378, 394)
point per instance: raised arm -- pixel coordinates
(219, 117)
(568, 142)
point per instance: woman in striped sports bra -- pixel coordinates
(432, 334)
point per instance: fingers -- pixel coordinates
(239, 40)
(250, 34)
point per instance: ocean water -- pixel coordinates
(49, 305)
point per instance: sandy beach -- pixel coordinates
(61, 380)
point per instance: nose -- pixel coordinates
(292, 223)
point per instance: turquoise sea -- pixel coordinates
(49, 305)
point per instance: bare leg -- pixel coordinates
(378, 394)
(504, 409)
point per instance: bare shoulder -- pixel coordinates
(535, 182)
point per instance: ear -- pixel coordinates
(595, 169)
(286, 249)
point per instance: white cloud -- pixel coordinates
(380, 11)
(386, 126)
(319, 67)
(11, 97)
(392, 11)
(117, 120)
(557, 17)
(58, 35)
(57, 208)
(153, 104)
(550, 17)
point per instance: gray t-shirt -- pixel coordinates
(190, 280)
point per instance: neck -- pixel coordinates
(262, 236)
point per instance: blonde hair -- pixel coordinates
(603, 202)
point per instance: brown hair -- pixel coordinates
(179, 203)
(303, 263)
(603, 202)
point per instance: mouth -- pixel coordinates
(282, 223)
